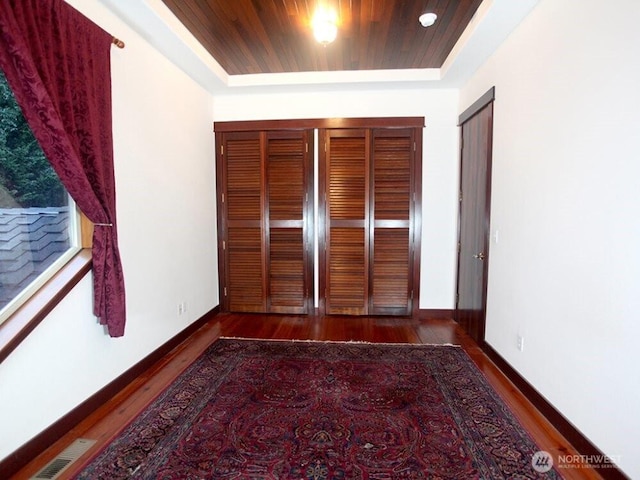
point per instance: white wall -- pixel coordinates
(440, 159)
(566, 204)
(165, 175)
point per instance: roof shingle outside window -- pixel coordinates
(31, 239)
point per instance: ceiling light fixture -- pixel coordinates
(427, 19)
(325, 25)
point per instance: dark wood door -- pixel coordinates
(244, 282)
(475, 194)
(367, 180)
(265, 186)
(288, 222)
(346, 215)
(391, 231)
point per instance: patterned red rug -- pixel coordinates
(308, 410)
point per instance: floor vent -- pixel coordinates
(56, 466)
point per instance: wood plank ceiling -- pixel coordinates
(274, 36)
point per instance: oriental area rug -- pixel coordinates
(253, 409)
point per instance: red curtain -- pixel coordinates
(57, 62)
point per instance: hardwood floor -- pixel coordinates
(107, 421)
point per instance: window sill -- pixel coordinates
(33, 311)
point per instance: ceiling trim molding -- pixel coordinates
(154, 21)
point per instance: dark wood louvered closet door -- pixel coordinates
(368, 240)
(368, 178)
(287, 198)
(265, 185)
(392, 207)
(347, 221)
(245, 285)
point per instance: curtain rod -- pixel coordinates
(117, 42)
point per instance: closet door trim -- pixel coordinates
(318, 123)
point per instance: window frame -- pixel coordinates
(75, 245)
(17, 326)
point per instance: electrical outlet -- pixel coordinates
(520, 343)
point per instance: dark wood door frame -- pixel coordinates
(475, 164)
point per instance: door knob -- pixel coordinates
(479, 256)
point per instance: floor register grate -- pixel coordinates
(59, 464)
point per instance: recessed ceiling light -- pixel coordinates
(427, 19)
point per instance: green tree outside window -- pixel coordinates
(26, 177)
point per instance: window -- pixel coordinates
(39, 227)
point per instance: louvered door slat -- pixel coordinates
(286, 271)
(347, 178)
(244, 179)
(285, 181)
(347, 272)
(391, 271)
(392, 177)
(245, 258)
